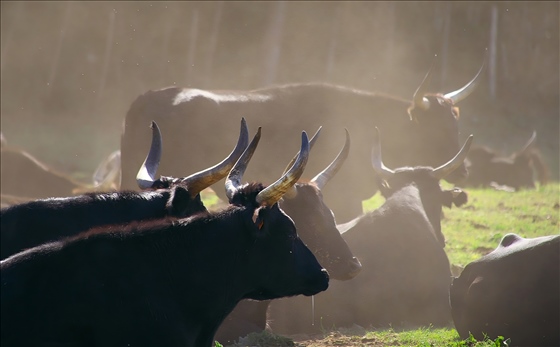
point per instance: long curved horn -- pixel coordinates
(455, 162)
(292, 191)
(145, 177)
(274, 192)
(461, 94)
(419, 100)
(530, 142)
(376, 160)
(311, 144)
(233, 180)
(324, 176)
(205, 178)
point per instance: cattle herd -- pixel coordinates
(131, 259)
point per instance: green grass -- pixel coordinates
(475, 228)
(427, 337)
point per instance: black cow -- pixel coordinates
(33, 223)
(514, 292)
(405, 273)
(425, 135)
(317, 229)
(516, 171)
(160, 283)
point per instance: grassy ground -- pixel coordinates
(471, 231)
(476, 228)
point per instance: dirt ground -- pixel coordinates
(337, 339)
(351, 337)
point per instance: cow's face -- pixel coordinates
(432, 196)
(316, 226)
(281, 264)
(436, 135)
(285, 267)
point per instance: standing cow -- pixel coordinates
(161, 283)
(421, 132)
(405, 273)
(32, 223)
(514, 292)
(516, 171)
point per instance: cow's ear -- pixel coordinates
(447, 198)
(178, 202)
(382, 185)
(258, 219)
(385, 188)
(460, 197)
(455, 196)
(455, 112)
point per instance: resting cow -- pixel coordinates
(425, 135)
(317, 229)
(516, 171)
(23, 175)
(514, 292)
(32, 223)
(108, 172)
(160, 283)
(405, 273)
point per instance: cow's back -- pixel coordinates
(200, 128)
(76, 294)
(513, 291)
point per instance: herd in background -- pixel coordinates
(140, 261)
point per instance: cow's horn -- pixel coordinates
(324, 176)
(274, 192)
(530, 142)
(205, 178)
(419, 100)
(376, 160)
(461, 94)
(454, 163)
(292, 192)
(145, 177)
(233, 180)
(311, 144)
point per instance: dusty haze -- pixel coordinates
(70, 70)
